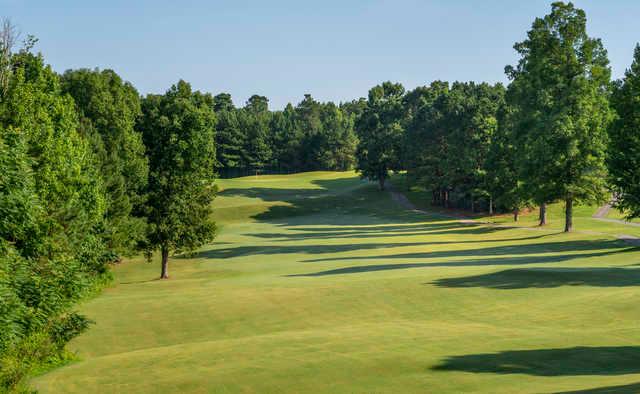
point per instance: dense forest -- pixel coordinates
(92, 171)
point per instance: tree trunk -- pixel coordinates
(165, 263)
(543, 214)
(516, 212)
(490, 205)
(381, 182)
(473, 205)
(568, 215)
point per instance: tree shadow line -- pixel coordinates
(521, 252)
(362, 231)
(632, 388)
(536, 248)
(460, 263)
(521, 278)
(574, 361)
(225, 253)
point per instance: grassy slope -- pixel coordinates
(317, 283)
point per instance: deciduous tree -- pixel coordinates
(178, 129)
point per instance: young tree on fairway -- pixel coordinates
(624, 152)
(560, 98)
(178, 130)
(380, 132)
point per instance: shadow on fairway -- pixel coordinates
(622, 389)
(461, 263)
(522, 278)
(548, 247)
(602, 360)
(364, 231)
(484, 256)
(425, 229)
(225, 253)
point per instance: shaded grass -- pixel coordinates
(582, 221)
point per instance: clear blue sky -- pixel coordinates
(334, 50)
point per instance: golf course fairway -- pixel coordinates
(320, 283)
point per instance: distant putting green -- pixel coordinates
(319, 283)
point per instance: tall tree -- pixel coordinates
(178, 129)
(502, 182)
(287, 140)
(624, 150)
(108, 109)
(424, 141)
(560, 96)
(380, 132)
(338, 141)
(229, 138)
(309, 126)
(254, 120)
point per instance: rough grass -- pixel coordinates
(318, 283)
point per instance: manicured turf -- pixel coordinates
(318, 283)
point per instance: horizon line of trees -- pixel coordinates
(310, 136)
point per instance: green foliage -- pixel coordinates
(254, 120)
(178, 129)
(108, 109)
(502, 181)
(230, 141)
(380, 132)
(559, 95)
(310, 136)
(624, 149)
(52, 205)
(449, 135)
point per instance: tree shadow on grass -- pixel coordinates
(522, 278)
(427, 229)
(601, 360)
(606, 247)
(224, 253)
(621, 389)
(527, 249)
(376, 231)
(461, 263)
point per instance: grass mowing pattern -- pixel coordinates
(319, 283)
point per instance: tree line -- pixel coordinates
(310, 136)
(560, 131)
(91, 171)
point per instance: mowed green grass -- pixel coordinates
(319, 283)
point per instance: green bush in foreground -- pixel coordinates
(52, 206)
